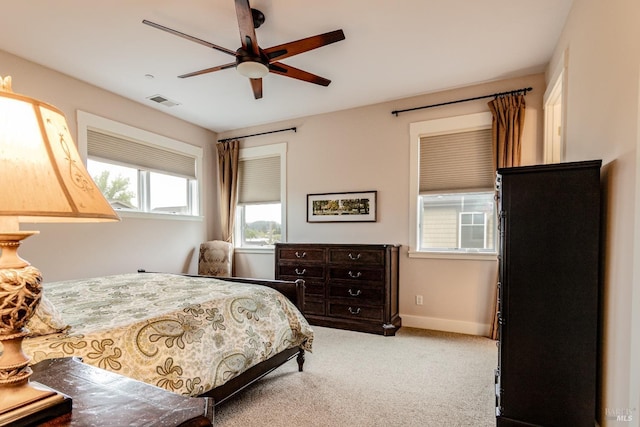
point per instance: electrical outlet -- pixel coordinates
(418, 299)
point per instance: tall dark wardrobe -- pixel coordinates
(548, 294)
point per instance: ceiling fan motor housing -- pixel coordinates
(258, 18)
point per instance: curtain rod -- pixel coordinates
(256, 134)
(493, 95)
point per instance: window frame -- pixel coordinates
(554, 103)
(483, 224)
(87, 121)
(418, 130)
(270, 150)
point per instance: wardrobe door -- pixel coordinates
(549, 296)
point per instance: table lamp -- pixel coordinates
(42, 179)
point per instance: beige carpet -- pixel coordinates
(352, 379)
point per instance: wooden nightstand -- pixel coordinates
(103, 398)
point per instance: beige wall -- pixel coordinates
(368, 149)
(601, 41)
(359, 149)
(66, 251)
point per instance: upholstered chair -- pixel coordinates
(216, 259)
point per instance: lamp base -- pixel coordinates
(31, 403)
(21, 402)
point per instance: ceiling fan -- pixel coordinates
(254, 62)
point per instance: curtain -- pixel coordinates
(508, 121)
(228, 153)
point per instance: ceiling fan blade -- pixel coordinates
(289, 71)
(256, 85)
(209, 70)
(303, 45)
(247, 30)
(188, 37)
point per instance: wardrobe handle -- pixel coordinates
(300, 273)
(301, 255)
(354, 258)
(354, 312)
(354, 294)
(354, 275)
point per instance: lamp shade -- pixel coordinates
(42, 177)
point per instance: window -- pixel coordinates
(473, 230)
(459, 221)
(139, 171)
(260, 218)
(452, 176)
(119, 184)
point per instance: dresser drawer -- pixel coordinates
(354, 311)
(314, 306)
(356, 256)
(357, 293)
(301, 271)
(355, 273)
(301, 254)
(311, 287)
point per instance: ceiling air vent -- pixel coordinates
(162, 100)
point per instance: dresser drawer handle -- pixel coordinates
(354, 294)
(354, 275)
(354, 312)
(300, 273)
(301, 255)
(354, 258)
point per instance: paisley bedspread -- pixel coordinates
(185, 334)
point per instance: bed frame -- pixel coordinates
(294, 291)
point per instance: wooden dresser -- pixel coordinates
(346, 286)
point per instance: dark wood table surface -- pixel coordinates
(103, 398)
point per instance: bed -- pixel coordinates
(192, 335)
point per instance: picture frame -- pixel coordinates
(353, 206)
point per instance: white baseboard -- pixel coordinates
(446, 325)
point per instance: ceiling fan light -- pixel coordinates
(252, 69)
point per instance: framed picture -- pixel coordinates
(342, 207)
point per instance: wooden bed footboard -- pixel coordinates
(237, 384)
(294, 291)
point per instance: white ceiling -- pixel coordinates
(393, 49)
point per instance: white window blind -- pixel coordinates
(122, 150)
(456, 162)
(259, 180)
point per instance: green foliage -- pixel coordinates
(356, 205)
(116, 189)
(267, 232)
